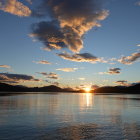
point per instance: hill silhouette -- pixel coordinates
(52, 88)
(119, 89)
(18, 88)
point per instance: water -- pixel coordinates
(70, 116)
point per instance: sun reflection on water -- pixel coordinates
(87, 100)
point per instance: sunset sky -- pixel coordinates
(70, 43)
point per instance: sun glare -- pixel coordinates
(87, 89)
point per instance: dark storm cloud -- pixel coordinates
(16, 78)
(83, 57)
(73, 18)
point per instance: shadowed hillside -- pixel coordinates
(117, 89)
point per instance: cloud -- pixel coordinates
(125, 83)
(56, 83)
(5, 66)
(129, 59)
(114, 71)
(122, 83)
(138, 3)
(138, 45)
(133, 84)
(101, 73)
(71, 19)
(50, 34)
(16, 78)
(83, 57)
(52, 83)
(94, 87)
(81, 78)
(30, 1)
(43, 62)
(50, 75)
(67, 69)
(14, 7)
(111, 71)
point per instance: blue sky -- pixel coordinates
(118, 36)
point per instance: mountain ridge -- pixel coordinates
(52, 88)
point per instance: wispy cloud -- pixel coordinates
(122, 83)
(53, 83)
(112, 71)
(82, 78)
(138, 45)
(71, 19)
(137, 3)
(67, 69)
(5, 66)
(14, 7)
(42, 62)
(126, 83)
(83, 57)
(16, 78)
(130, 59)
(50, 75)
(94, 87)
(30, 1)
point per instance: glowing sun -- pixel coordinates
(87, 89)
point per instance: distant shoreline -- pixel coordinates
(28, 93)
(9, 89)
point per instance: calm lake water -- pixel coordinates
(70, 116)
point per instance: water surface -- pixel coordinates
(70, 116)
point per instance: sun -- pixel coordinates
(87, 89)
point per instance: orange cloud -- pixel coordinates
(128, 60)
(71, 19)
(14, 7)
(42, 62)
(67, 69)
(5, 66)
(83, 57)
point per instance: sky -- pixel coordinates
(70, 43)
